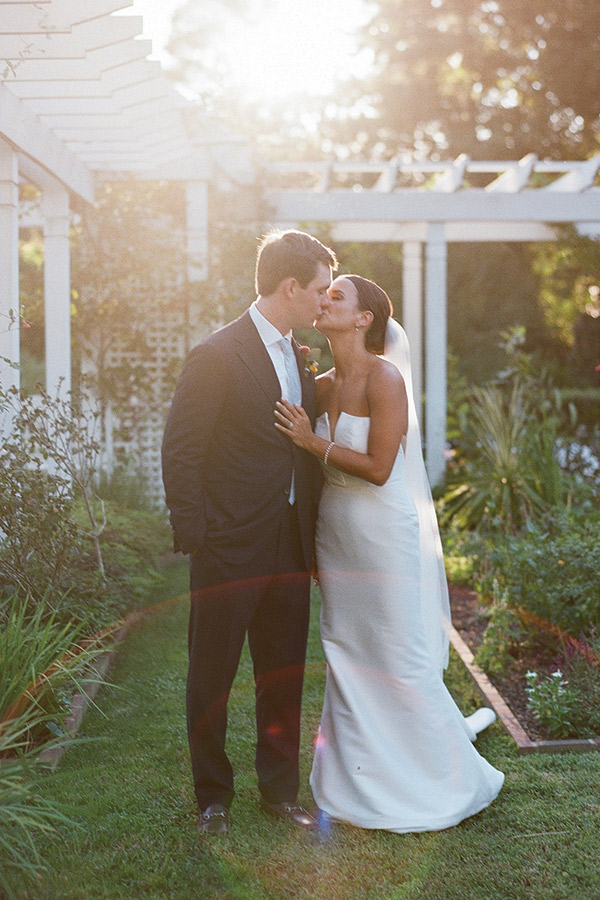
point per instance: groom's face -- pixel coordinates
(306, 302)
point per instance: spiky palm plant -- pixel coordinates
(510, 474)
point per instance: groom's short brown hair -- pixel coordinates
(289, 254)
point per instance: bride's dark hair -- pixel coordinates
(372, 297)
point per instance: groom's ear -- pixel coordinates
(290, 286)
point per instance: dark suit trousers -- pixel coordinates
(273, 610)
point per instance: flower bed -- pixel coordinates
(506, 691)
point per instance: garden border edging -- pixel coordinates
(494, 699)
(82, 700)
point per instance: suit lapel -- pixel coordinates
(255, 357)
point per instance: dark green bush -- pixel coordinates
(552, 570)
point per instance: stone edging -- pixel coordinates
(83, 699)
(494, 699)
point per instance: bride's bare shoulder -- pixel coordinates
(385, 377)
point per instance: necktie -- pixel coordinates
(294, 390)
(291, 368)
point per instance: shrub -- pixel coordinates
(502, 636)
(58, 548)
(551, 569)
(134, 544)
(581, 668)
(461, 550)
(46, 464)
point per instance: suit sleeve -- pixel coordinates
(188, 438)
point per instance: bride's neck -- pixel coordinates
(349, 353)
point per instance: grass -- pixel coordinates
(129, 792)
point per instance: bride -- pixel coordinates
(393, 751)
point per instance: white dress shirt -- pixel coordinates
(271, 338)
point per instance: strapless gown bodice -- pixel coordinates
(353, 432)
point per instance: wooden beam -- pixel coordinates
(55, 18)
(451, 180)
(90, 67)
(410, 205)
(516, 176)
(580, 177)
(104, 84)
(84, 36)
(474, 231)
(29, 135)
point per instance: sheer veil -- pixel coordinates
(435, 603)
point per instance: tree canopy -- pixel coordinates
(496, 79)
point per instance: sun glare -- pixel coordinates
(302, 46)
(299, 46)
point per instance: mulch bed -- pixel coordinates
(470, 623)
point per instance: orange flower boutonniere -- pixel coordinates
(311, 360)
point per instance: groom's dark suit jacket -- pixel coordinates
(227, 470)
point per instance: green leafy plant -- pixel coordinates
(502, 636)
(552, 702)
(551, 569)
(47, 463)
(509, 473)
(60, 547)
(42, 662)
(580, 664)
(27, 818)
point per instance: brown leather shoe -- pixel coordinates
(214, 820)
(291, 813)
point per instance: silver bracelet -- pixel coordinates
(327, 452)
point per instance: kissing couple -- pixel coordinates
(270, 474)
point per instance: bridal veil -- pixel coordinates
(435, 602)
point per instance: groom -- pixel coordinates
(243, 503)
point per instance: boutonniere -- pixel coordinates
(311, 359)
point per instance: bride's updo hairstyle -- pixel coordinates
(373, 298)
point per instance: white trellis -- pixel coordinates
(424, 206)
(79, 104)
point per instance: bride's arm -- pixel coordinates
(388, 411)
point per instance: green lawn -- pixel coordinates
(129, 791)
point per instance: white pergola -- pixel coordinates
(81, 103)
(424, 206)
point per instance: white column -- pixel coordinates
(197, 230)
(57, 288)
(9, 266)
(412, 314)
(435, 352)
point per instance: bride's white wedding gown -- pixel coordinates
(393, 749)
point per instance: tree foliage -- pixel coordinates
(495, 79)
(569, 274)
